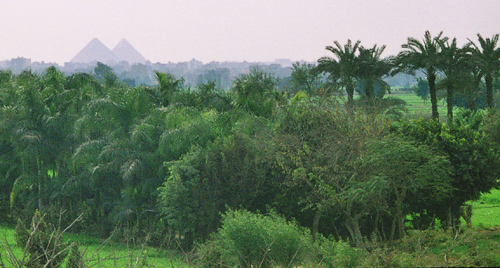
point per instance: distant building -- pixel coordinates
(19, 64)
(182, 65)
(194, 64)
(284, 62)
(4, 64)
(75, 67)
(41, 66)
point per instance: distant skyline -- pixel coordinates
(232, 30)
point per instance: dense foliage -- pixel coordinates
(177, 163)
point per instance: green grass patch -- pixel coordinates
(486, 210)
(99, 253)
(418, 107)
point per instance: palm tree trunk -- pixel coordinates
(449, 101)
(488, 79)
(431, 79)
(39, 182)
(350, 94)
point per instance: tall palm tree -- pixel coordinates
(371, 69)
(453, 61)
(488, 58)
(423, 56)
(343, 67)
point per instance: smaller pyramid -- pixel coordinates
(126, 52)
(95, 51)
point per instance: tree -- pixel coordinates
(421, 89)
(453, 62)
(105, 74)
(256, 92)
(488, 59)
(304, 78)
(406, 168)
(470, 85)
(343, 67)
(371, 69)
(475, 163)
(168, 85)
(231, 172)
(40, 134)
(117, 158)
(423, 56)
(318, 147)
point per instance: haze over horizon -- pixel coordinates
(232, 30)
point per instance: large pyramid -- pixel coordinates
(97, 51)
(126, 52)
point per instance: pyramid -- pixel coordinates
(95, 51)
(126, 52)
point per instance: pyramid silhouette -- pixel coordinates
(126, 52)
(97, 51)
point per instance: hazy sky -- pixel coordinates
(234, 30)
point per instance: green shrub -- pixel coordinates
(339, 253)
(247, 239)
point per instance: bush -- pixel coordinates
(247, 239)
(42, 242)
(339, 253)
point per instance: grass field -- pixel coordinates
(99, 254)
(486, 213)
(418, 107)
(486, 210)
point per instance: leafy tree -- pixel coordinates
(305, 78)
(317, 149)
(421, 89)
(474, 162)
(256, 92)
(231, 172)
(105, 74)
(423, 56)
(406, 168)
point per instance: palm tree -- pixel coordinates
(469, 81)
(371, 69)
(488, 58)
(423, 56)
(343, 68)
(168, 85)
(453, 61)
(40, 132)
(116, 150)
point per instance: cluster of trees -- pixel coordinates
(459, 69)
(167, 160)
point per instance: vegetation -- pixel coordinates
(267, 173)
